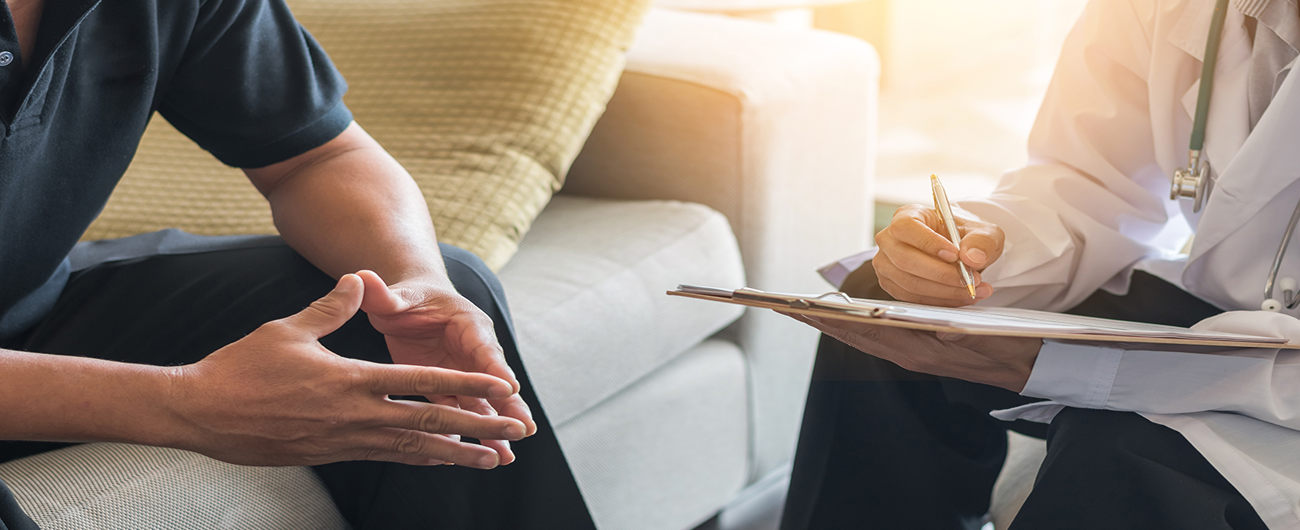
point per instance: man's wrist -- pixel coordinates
(139, 410)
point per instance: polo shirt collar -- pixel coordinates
(59, 18)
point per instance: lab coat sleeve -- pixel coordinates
(1089, 201)
(1260, 383)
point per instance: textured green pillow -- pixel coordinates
(485, 102)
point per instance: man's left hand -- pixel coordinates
(999, 361)
(430, 324)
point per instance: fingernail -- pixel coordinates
(984, 291)
(976, 255)
(513, 432)
(345, 286)
(947, 255)
(487, 461)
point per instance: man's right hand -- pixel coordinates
(277, 397)
(916, 263)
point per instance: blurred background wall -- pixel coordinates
(962, 82)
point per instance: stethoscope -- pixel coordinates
(1194, 182)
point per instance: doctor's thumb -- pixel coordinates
(981, 245)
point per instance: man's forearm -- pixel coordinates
(64, 398)
(348, 205)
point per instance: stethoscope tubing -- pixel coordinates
(1208, 64)
(1290, 301)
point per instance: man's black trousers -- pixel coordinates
(885, 448)
(175, 309)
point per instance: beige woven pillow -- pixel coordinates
(485, 102)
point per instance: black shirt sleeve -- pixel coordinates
(253, 87)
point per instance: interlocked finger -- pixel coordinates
(439, 419)
(404, 380)
(421, 448)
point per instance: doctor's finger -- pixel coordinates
(919, 273)
(981, 243)
(946, 296)
(911, 287)
(918, 227)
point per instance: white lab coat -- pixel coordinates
(1093, 204)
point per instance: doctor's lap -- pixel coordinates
(906, 449)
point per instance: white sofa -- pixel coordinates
(733, 152)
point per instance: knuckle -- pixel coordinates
(353, 376)
(328, 307)
(909, 211)
(981, 240)
(883, 238)
(275, 327)
(426, 381)
(434, 420)
(408, 443)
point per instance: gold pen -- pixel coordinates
(945, 213)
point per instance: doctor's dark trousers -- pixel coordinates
(175, 309)
(883, 448)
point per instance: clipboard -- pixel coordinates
(971, 320)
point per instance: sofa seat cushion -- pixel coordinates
(669, 449)
(587, 293)
(106, 486)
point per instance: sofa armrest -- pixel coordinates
(773, 127)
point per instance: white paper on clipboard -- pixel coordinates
(978, 320)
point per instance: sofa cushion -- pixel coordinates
(107, 486)
(485, 102)
(587, 293)
(668, 450)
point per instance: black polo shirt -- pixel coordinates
(240, 77)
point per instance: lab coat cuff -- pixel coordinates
(1040, 412)
(1074, 375)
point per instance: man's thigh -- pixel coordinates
(176, 309)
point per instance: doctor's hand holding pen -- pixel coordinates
(917, 261)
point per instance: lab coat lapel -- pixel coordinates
(1266, 164)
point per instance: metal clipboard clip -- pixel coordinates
(832, 301)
